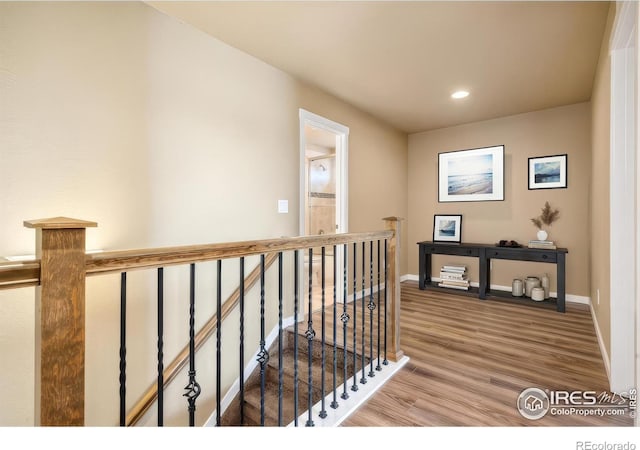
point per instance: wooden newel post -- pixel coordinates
(394, 353)
(59, 315)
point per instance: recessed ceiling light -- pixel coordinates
(459, 94)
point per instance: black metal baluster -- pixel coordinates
(218, 342)
(296, 286)
(378, 367)
(193, 388)
(363, 363)
(371, 306)
(160, 346)
(123, 349)
(386, 286)
(310, 335)
(280, 343)
(344, 317)
(354, 387)
(241, 307)
(334, 403)
(263, 355)
(323, 411)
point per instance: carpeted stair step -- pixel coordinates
(252, 385)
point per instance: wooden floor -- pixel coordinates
(471, 359)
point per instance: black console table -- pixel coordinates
(485, 253)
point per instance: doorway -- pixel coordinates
(323, 198)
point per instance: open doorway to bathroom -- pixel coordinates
(323, 202)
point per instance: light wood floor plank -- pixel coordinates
(471, 359)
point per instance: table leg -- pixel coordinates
(561, 282)
(485, 275)
(422, 268)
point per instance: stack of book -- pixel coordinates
(542, 244)
(454, 277)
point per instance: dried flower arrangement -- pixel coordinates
(547, 217)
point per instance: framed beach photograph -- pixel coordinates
(548, 172)
(447, 228)
(475, 175)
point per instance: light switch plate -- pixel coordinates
(283, 206)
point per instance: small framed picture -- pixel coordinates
(447, 228)
(548, 172)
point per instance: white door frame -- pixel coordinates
(342, 171)
(637, 125)
(623, 256)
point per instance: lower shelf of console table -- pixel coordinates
(497, 296)
(485, 253)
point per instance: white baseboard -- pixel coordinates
(578, 299)
(603, 349)
(409, 277)
(365, 293)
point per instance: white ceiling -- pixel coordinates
(400, 61)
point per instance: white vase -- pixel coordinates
(545, 285)
(517, 288)
(537, 294)
(542, 235)
(529, 284)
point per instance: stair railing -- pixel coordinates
(136, 413)
(59, 273)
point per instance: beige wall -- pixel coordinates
(548, 132)
(114, 112)
(600, 181)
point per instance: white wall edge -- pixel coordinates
(623, 192)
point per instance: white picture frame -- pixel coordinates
(475, 175)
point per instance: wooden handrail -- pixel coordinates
(120, 261)
(180, 361)
(19, 274)
(27, 273)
